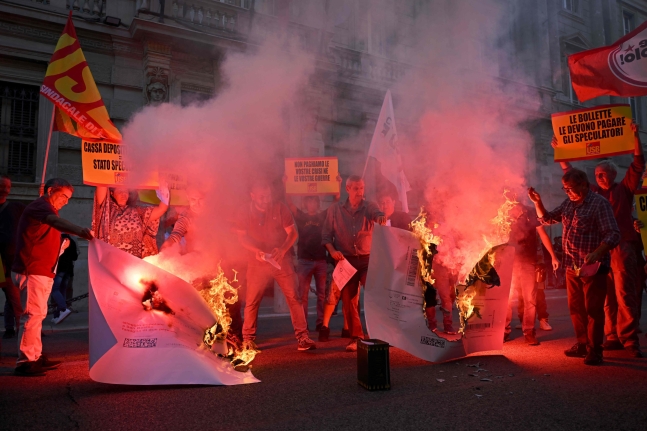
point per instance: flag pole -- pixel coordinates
(41, 190)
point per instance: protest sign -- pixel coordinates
(593, 133)
(393, 301)
(641, 212)
(147, 326)
(177, 186)
(104, 165)
(312, 176)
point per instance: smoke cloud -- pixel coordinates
(460, 111)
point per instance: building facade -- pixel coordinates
(145, 52)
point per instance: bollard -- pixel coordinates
(373, 369)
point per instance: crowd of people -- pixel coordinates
(599, 258)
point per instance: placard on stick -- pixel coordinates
(641, 212)
(312, 176)
(593, 132)
(103, 165)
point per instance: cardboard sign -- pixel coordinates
(393, 299)
(312, 176)
(641, 212)
(593, 133)
(103, 165)
(177, 186)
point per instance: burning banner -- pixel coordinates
(394, 300)
(148, 327)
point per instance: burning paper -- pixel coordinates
(147, 326)
(394, 300)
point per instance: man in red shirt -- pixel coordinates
(621, 315)
(267, 230)
(38, 246)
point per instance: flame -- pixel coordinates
(218, 296)
(427, 238)
(502, 224)
(465, 306)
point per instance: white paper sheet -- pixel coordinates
(132, 346)
(343, 272)
(393, 302)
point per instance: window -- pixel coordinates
(18, 130)
(634, 102)
(264, 6)
(627, 22)
(572, 95)
(571, 5)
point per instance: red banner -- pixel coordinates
(70, 86)
(615, 70)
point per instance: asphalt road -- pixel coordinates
(532, 388)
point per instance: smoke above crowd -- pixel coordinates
(460, 116)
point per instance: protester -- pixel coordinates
(267, 229)
(38, 244)
(118, 220)
(311, 254)
(10, 213)
(589, 232)
(347, 234)
(621, 326)
(386, 199)
(64, 273)
(541, 306)
(523, 236)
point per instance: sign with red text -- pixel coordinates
(593, 133)
(312, 176)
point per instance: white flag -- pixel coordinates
(384, 148)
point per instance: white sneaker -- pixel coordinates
(61, 317)
(544, 325)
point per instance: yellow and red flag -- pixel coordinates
(70, 86)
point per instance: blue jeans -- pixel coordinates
(305, 270)
(59, 289)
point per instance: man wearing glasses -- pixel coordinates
(621, 308)
(589, 232)
(38, 246)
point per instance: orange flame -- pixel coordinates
(427, 238)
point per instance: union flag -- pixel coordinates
(615, 70)
(70, 86)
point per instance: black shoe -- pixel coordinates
(577, 351)
(324, 334)
(634, 352)
(9, 333)
(345, 333)
(506, 337)
(318, 327)
(46, 364)
(612, 345)
(29, 369)
(530, 338)
(593, 358)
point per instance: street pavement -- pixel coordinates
(531, 388)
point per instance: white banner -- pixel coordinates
(147, 326)
(393, 301)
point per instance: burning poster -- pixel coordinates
(394, 300)
(147, 326)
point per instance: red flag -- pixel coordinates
(615, 70)
(70, 86)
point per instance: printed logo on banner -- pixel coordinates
(593, 147)
(120, 177)
(435, 342)
(140, 342)
(312, 187)
(627, 61)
